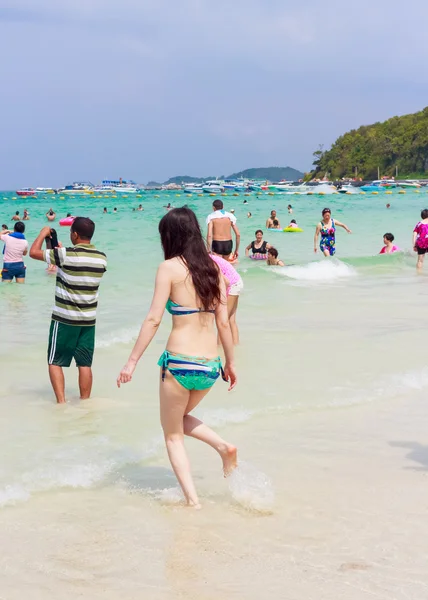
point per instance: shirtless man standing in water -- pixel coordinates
(219, 238)
(271, 219)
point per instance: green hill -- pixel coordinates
(269, 173)
(398, 143)
(186, 179)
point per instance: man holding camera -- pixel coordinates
(72, 330)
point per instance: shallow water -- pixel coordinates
(321, 340)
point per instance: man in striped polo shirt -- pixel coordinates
(72, 331)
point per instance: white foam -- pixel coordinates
(12, 494)
(251, 488)
(121, 337)
(385, 387)
(79, 467)
(169, 495)
(320, 272)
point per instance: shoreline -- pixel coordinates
(348, 520)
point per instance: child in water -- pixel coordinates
(420, 238)
(292, 224)
(389, 247)
(273, 259)
(275, 224)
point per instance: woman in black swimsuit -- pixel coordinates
(258, 247)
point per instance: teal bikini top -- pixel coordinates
(176, 309)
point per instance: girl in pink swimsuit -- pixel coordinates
(234, 286)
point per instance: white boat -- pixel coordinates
(348, 188)
(290, 187)
(193, 188)
(213, 187)
(78, 187)
(118, 187)
(409, 183)
(44, 190)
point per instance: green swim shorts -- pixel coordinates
(71, 341)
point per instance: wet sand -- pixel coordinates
(348, 520)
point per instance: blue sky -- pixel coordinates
(148, 89)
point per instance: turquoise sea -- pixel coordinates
(332, 360)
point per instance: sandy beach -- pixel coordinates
(348, 520)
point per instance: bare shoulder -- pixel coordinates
(172, 266)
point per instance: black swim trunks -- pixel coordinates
(223, 248)
(421, 251)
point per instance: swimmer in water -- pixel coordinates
(26, 216)
(51, 215)
(249, 215)
(105, 210)
(388, 205)
(290, 209)
(258, 247)
(269, 222)
(327, 229)
(292, 224)
(140, 207)
(115, 210)
(389, 247)
(273, 259)
(275, 224)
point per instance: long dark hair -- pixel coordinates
(181, 236)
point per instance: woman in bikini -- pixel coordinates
(327, 229)
(189, 285)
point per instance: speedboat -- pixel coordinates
(44, 190)
(26, 192)
(290, 187)
(213, 187)
(347, 188)
(379, 185)
(117, 187)
(78, 188)
(409, 183)
(193, 188)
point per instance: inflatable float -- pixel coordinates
(67, 221)
(292, 229)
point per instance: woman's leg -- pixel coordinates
(420, 262)
(195, 428)
(232, 307)
(174, 399)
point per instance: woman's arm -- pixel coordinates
(345, 227)
(280, 263)
(225, 333)
(151, 322)
(317, 232)
(415, 236)
(247, 249)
